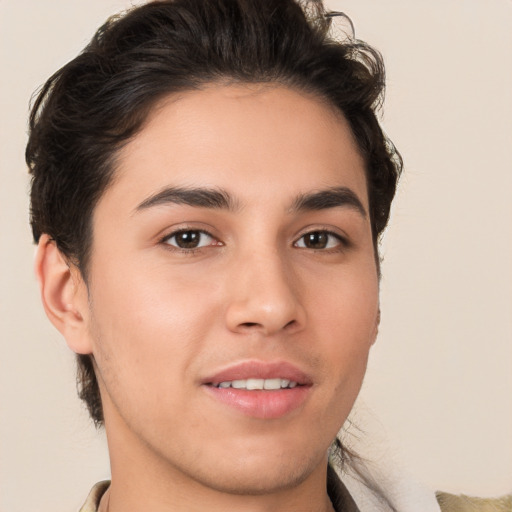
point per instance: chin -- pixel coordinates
(249, 483)
(255, 476)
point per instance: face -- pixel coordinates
(233, 291)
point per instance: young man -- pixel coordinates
(209, 185)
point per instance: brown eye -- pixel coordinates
(318, 240)
(189, 239)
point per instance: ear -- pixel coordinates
(64, 295)
(376, 327)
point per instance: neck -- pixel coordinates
(243, 503)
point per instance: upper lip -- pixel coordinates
(259, 370)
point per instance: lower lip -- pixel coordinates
(261, 403)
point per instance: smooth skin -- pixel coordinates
(266, 281)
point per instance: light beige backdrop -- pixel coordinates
(437, 397)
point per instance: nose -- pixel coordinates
(264, 296)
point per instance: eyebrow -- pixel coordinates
(199, 197)
(220, 199)
(329, 198)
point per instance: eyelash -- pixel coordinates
(183, 250)
(343, 243)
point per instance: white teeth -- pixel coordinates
(254, 383)
(272, 384)
(251, 384)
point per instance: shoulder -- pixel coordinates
(461, 503)
(93, 500)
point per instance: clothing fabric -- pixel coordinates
(93, 500)
(464, 503)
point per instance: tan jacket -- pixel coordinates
(452, 503)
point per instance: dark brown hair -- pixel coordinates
(97, 102)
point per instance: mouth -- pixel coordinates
(255, 374)
(254, 383)
(259, 389)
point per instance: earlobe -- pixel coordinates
(376, 328)
(63, 293)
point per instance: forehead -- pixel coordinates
(260, 142)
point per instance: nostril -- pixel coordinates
(291, 323)
(256, 325)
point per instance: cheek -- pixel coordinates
(346, 305)
(346, 318)
(148, 328)
(151, 300)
